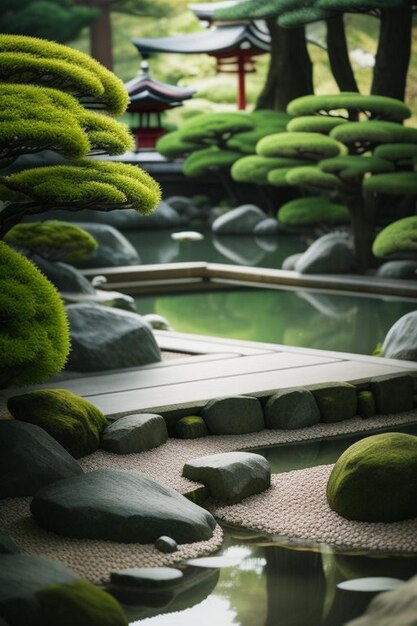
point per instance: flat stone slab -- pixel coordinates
(230, 476)
(291, 408)
(122, 506)
(30, 459)
(21, 578)
(234, 415)
(147, 577)
(135, 433)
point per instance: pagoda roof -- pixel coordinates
(146, 90)
(218, 41)
(205, 10)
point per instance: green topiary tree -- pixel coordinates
(52, 240)
(34, 340)
(314, 211)
(342, 166)
(398, 240)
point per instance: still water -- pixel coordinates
(265, 581)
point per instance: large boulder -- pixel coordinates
(291, 408)
(30, 458)
(239, 221)
(230, 476)
(330, 254)
(65, 277)
(123, 506)
(405, 270)
(375, 479)
(81, 603)
(70, 419)
(397, 607)
(104, 338)
(233, 415)
(22, 577)
(401, 339)
(336, 401)
(393, 393)
(113, 247)
(135, 433)
(114, 299)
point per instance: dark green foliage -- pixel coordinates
(52, 240)
(215, 128)
(191, 427)
(209, 159)
(375, 479)
(79, 603)
(267, 122)
(344, 105)
(314, 210)
(398, 240)
(402, 155)
(173, 145)
(311, 146)
(314, 124)
(35, 61)
(403, 183)
(59, 20)
(351, 169)
(312, 177)
(73, 421)
(255, 169)
(361, 137)
(34, 340)
(366, 404)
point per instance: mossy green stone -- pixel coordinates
(71, 420)
(191, 427)
(336, 401)
(366, 404)
(79, 604)
(375, 479)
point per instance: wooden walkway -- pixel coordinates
(214, 368)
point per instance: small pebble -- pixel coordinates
(166, 544)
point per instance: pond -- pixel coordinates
(310, 319)
(266, 581)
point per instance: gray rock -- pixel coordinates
(103, 338)
(21, 578)
(135, 433)
(401, 339)
(241, 250)
(159, 322)
(113, 247)
(239, 221)
(230, 476)
(267, 243)
(330, 254)
(405, 270)
(147, 577)
(267, 226)
(397, 607)
(7, 545)
(233, 415)
(30, 458)
(180, 204)
(123, 506)
(336, 401)
(291, 408)
(166, 544)
(112, 299)
(393, 393)
(291, 261)
(64, 276)
(191, 427)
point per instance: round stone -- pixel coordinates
(166, 544)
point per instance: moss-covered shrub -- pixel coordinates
(366, 404)
(79, 603)
(401, 183)
(209, 159)
(309, 146)
(375, 107)
(52, 240)
(375, 479)
(73, 421)
(34, 340)
(397, 240)
(314, 210)
(191, 427)
(255, 169)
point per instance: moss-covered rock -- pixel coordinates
(80, 603)
(336, 401)
(191, 427)
(366, 404)
(313, 210)
(71, 420)
(397, 240)
(34, 340)
(375, 480)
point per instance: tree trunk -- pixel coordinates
(363, 212)
(290, 72)
(101, 36)
(393, 54)
(338, 54)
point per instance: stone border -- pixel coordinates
(95, 559)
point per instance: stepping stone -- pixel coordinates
(291, 408)
(123, 506)
(230, 476)
(30, 459)
(393, 394)
(233, 415)
(336, 401)
(21, 578)
(147, 577)
(135, 433)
